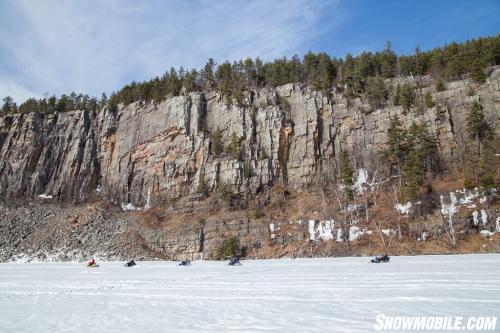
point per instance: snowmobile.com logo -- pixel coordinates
(401, 323)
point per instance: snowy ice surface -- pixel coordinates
(301, 295)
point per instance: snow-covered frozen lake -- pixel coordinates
(302, 295)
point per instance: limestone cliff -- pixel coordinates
(147, 155)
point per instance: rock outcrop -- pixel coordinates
(147, 154)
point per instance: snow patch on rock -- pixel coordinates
(129, 207)
(148, 201)
(271, 229)
(404, 208)
(361, 179)
(484, 217)
(388, 232)
(423, 236)
(320, 230)
(340, 236)
(449, 209)
(486, 233)
(475, 218)
(45, 196)
(354, 233)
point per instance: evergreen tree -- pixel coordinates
(481, 163)
(429, 102)
(396, 143)
(477, 127)
(325, 73)
(63, 104)
(354, 74)
(421, 141)
(217, 146)
(420, 157)
(8, 105)
(388, 61)
(224, 78)
(477, 75)
(51, 104)
(395, 97)
(406, 97)
(346, 173)
(440, 85)
(487, 166)
(103, 100)
(234, 146)
(412, 175)
(189, 81)
(376, 92)
(173, 83)
(30, 105)
(250, 73)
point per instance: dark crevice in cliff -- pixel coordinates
(187, 116)
(202, 114)
(130, 179)
(4, 131)
(452, 127)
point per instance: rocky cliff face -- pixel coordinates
(146, 155)
(54, 154)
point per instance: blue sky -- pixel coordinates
(94, 46)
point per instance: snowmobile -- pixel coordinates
(185, 263)
(131, 263)
(234, 262)
(92, 263)
(381, 259)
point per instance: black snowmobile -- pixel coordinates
(131, 263)
(381, 259)
(234, 262)
(185, 263)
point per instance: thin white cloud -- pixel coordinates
(95, 46)
(14, 90)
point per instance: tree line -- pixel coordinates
(52, 104)
(354, 75)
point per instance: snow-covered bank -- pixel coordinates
(342, 295)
